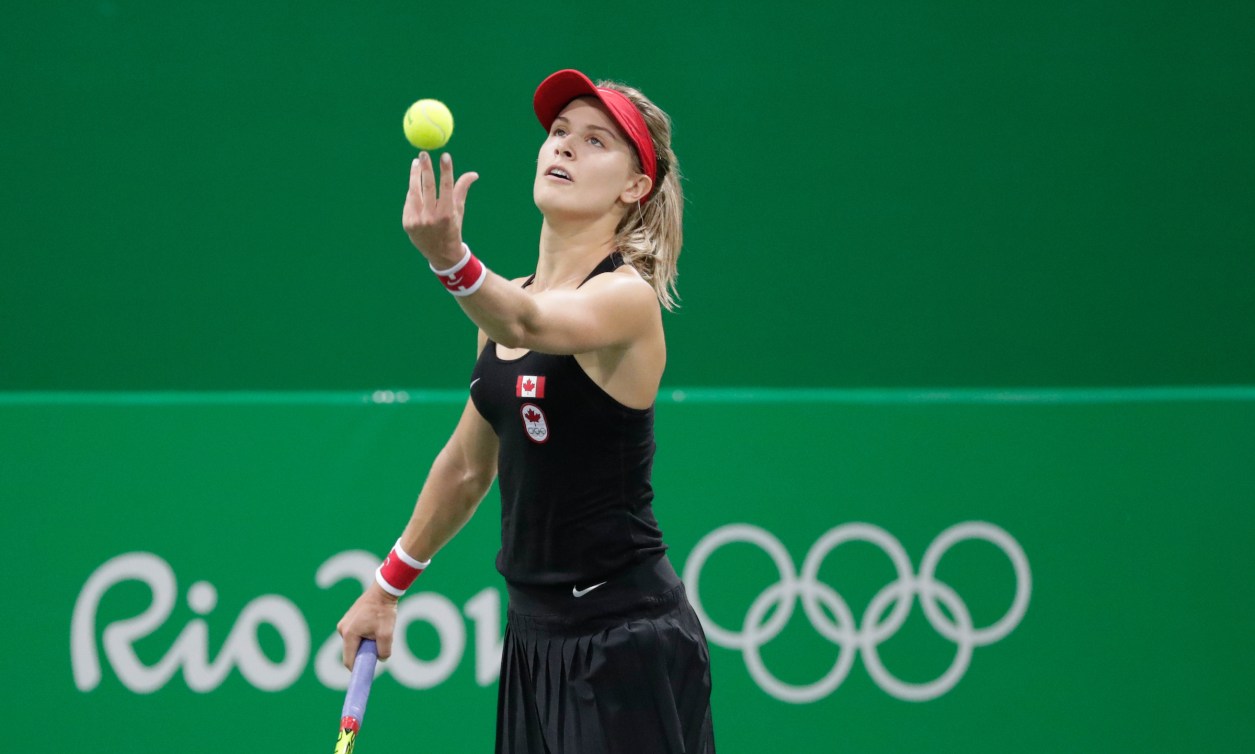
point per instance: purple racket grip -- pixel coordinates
(359, 681)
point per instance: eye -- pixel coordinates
(595, 141)
(559, 131)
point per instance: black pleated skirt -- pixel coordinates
(624, 668)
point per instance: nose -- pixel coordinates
(563, 149)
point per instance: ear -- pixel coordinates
(637, 188)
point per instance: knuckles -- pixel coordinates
(423, 222)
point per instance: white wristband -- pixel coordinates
(397, 571)
(465, 277)
(408, 559)
(384, 585)
(466, 257)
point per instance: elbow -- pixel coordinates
(466, 480)
(475, 482)
(511, 336)
(509, 340)
(475, 486)
(518, 329)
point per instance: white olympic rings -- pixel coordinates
(866, 637)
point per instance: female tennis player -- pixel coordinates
(602, 651)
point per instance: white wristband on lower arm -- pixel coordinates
(398, 571)
(465, 277)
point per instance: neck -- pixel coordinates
(570, 249)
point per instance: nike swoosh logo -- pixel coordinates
(477, 379)
(577, 592)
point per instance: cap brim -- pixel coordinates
(557, 91)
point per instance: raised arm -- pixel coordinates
(610, 310)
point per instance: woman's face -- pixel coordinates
(586, 165)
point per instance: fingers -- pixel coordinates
(383, 644)
(427, 179)
(351, 643)
(416, 178)
(446, 176)
(423, 180)
(461, 188)
(414, 196)
(433, 220)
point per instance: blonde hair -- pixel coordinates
(650, 237)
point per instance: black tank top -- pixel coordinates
(574, 468)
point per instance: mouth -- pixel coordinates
(559, 173)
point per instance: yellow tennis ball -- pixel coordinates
(428, 124)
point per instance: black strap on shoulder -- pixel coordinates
(609, 264)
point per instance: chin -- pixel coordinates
(549, 201)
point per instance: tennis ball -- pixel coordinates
(428, 124)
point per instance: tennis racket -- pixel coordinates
(355, 698)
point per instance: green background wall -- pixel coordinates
(201, 195)
(1030, 211)
(1133, 512)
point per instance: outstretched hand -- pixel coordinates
(433, 220)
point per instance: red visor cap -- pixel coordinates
(557, 91)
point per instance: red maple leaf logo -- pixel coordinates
(528, 385)
(531, 414)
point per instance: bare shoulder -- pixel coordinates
(626, 285)
(625, 303)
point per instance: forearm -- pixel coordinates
(447, 501)
(449, 497)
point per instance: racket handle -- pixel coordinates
(359, 681)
